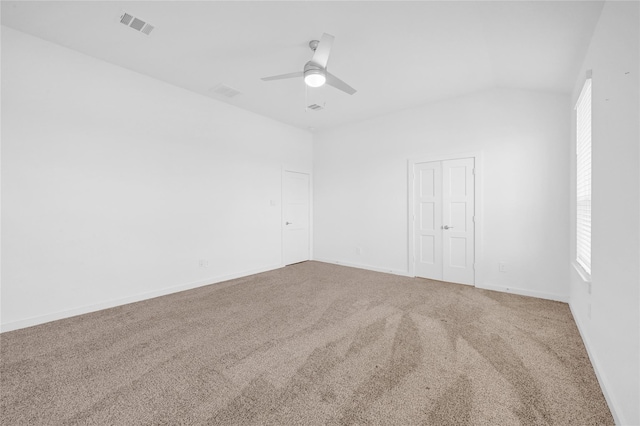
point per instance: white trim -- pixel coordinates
(616, 412)
(587, 83)
(523, 292)
(411, 164)
(363, 266)
(41, 319)
(581, 272)
(518, 291)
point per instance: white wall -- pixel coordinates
(114, 185)
(360, 185)
(611, 333)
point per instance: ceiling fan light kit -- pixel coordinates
(315, 72)
(315, 80)
(314, 75)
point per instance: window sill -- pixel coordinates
(583, 274)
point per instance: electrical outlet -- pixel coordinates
(502, 267)
(359, 251)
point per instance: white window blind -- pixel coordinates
(583, 180)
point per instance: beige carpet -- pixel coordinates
(309, 344)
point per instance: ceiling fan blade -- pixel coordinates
(321, 55)
(283, 76)
(334, 81)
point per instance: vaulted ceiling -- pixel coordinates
(396, 54)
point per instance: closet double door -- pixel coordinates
(444, 220)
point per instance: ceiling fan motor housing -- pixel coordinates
(312, 68)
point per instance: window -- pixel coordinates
(583, 178)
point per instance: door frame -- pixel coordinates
(411, 163)
(301, 170)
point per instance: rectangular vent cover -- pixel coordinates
(136, 23)
(315, 107)
(126, 19)
(147, 29)
(224, 90)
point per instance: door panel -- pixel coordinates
(427, 249)
(443, 220)
(456, 177)
(458, 216)
(457, 212)
(295, 202)
(427, 216)
(457, 252)
(428, 220)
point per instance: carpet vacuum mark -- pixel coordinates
(309, 344)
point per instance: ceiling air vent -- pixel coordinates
(136, 23)
(315, 107)
(224, 90)
(147, 29)
(126, 19)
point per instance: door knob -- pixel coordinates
(288, 223)
(447, 227)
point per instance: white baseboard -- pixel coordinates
(363, 266)
(519, 291)
(613, 406)
(41, 319)
(524, 292)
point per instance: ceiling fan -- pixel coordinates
(315, 71)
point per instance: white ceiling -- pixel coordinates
(396, 54)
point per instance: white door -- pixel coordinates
(428, 223)
(295, 216)
(444, 220)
